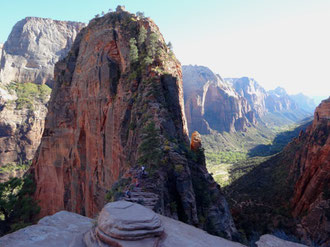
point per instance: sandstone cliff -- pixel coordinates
(279, 100)
(212, 103)
(33, 47)
(310, 170)
(252, 92)
(118, 100)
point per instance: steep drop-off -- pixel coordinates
(212, 103)
(117, 104)
(289, 191)
(33, 47)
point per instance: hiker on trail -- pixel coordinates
(143, 170)
(128, 193)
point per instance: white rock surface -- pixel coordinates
(33, 47)
(272, 241)
(62, 229)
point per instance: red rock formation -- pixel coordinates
(311, 171)
(100, 112)
(196, 141)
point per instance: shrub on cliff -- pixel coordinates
(149, 150)
(133, 51)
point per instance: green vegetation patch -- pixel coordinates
(28, 93)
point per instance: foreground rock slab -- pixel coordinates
(272, 241)
(115, 226)
(61, 229)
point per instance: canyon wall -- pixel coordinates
(213, 104)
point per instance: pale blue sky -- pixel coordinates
(278, 42)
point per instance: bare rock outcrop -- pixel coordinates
(33, 47)
(118, 101)
(212, 103)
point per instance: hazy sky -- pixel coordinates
(278, 42)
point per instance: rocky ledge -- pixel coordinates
(121, 224)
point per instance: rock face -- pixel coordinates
(78, 231)
(310, 170)
(33, 47)
(20, 130)
(279, 100)
(104, 111)
(304, 102)
(252, 92)
(212, 103)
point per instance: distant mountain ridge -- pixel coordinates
(233, 104)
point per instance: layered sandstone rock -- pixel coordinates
(212, 103)
(310, 170)
(33, 47)
(122, 222)
(103, 109)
